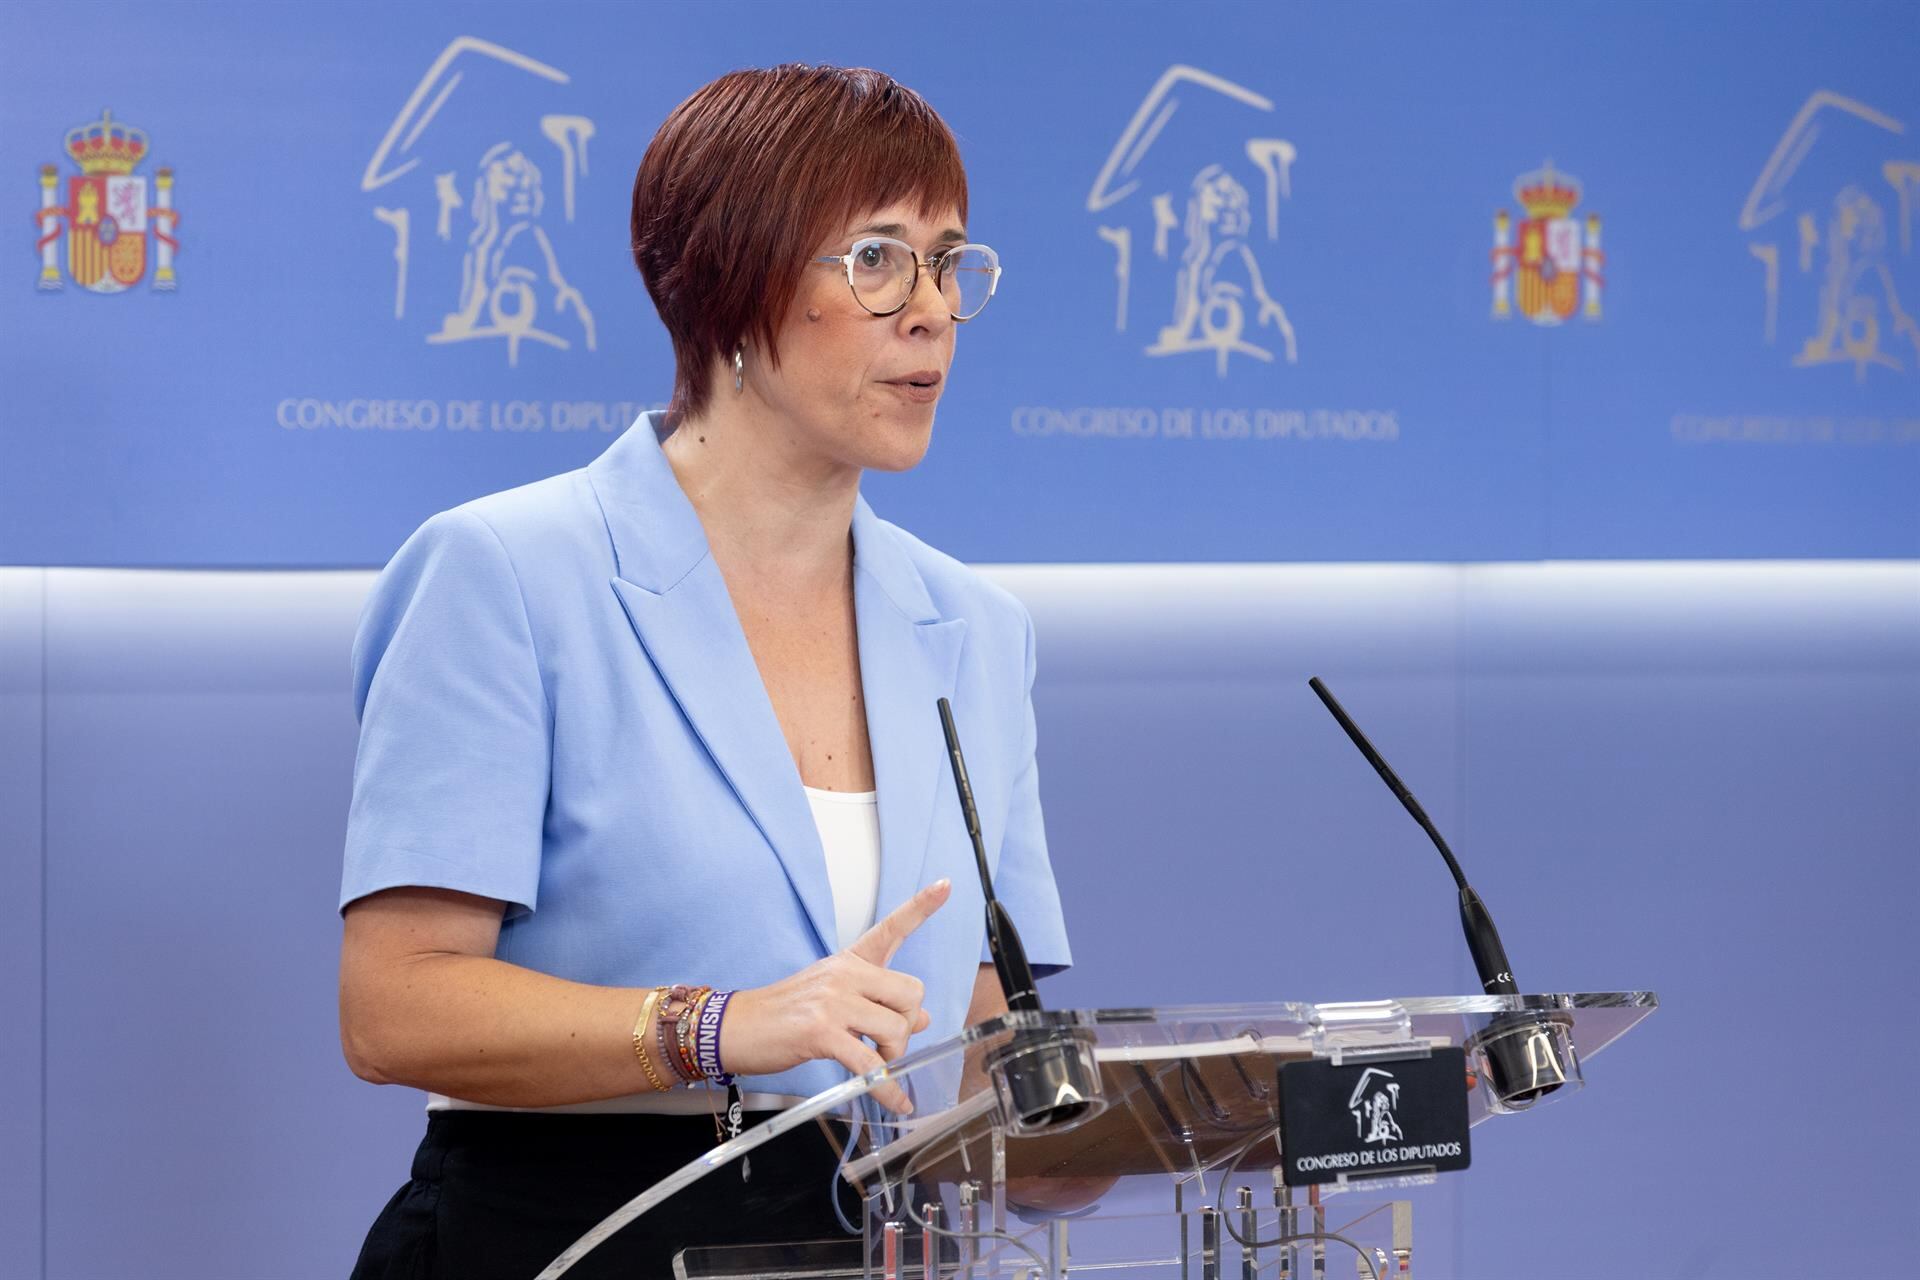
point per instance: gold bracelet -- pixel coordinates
(641, 1027)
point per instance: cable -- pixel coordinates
(906, 1178)
(1227, 1216)
(840, 1167)
(1373, 1268)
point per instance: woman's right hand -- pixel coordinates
(824, 1010)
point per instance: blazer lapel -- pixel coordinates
(908, 659)
(693, 636)
(677, 602)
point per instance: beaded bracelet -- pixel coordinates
(684, 1029)
(682, 1036)
(663, 1045)
(670, 1016)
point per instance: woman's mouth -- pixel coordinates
(919, 392)
(921, 386)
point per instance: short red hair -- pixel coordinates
(749, 175)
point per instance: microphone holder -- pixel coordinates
(1525, 1058)
(1047, 1079)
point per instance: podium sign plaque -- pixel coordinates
(1373, 1117)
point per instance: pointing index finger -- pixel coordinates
(878, 944)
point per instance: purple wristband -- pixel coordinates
(706, 1038)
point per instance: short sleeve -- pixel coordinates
(450, 779)
(1023, 880)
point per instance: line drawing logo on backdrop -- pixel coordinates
(1220, 300)
(1375, 1096)
(1217, 176)
(470, 141)
(1554, 269)
(107, 216)
(1837, 196)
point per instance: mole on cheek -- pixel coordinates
(812, 314)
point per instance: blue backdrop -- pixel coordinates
(1260, 306)
(1249, 308)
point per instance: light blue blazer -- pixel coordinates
(558, 709)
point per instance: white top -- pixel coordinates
(849, 823)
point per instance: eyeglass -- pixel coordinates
(884, 272)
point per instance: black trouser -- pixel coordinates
(500, 1194)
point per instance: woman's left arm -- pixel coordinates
(989, 1001)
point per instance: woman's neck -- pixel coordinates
(773, 510)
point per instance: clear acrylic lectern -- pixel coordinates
(1153, 1142)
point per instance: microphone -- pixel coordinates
(1483, 940)
(1521, 1050)
(1003, 940)
(1047, 1078)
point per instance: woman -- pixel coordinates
(669, 719)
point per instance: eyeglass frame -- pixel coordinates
(846, 260)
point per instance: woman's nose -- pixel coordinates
(920, 308)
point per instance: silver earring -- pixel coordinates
(739, 366)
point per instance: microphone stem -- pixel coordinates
(1003, 940)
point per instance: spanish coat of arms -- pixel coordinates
(109, 216)
(1548, 266)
